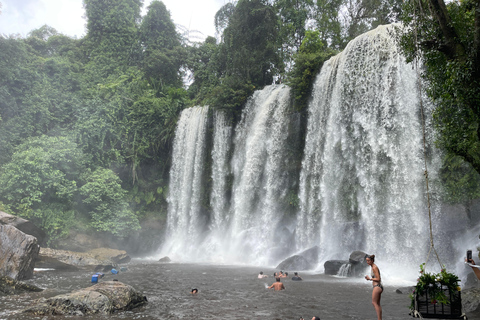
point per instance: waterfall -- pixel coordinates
(360, 186)
(344, 270)
(186, 223)
(219, 197)
(244, 224)
(362, 182)
(220, 170)
(260, 179)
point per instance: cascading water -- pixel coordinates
(260, 179)
(362, 183)
(220, 171)
(344, 270)
(242, 229)
(186, 223)
(219, 197)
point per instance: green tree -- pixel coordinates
(250, 43)
(293, 15)
(38, 84)
(111, 44)
(308, 61)
(40, 182)
(222, 17)
(163, 53)
(339, 22)
(328, 22)
(104, 200)
(206, 67)
(447, 39)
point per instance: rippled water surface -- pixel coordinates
(225, 292)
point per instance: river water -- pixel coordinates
(225, 292)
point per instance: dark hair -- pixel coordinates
(278, 279)
(261, 272)
(371, 257)
(195, 290)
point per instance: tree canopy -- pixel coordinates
(446, 37)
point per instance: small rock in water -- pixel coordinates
(165, 259)
(399, 291)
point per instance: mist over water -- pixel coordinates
(361, 182)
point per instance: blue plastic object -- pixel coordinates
(114, 271)
(95, 278)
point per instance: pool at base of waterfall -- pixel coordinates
(225, 292)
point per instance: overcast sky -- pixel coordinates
(23, 16)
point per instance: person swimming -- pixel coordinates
(277, 285)
(261, 275)
(296, 277)
(194, 291)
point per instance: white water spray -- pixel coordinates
(260, 181)
(362, 183)
(185, 221)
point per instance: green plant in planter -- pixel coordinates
(434, 284)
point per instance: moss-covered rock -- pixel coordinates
(103, 298)
(10, 286)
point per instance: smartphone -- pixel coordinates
(469, 255)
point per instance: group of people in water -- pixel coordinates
(374, 277)
(280, 274)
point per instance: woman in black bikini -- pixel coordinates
(377, 285)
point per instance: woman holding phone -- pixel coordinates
(469, 260)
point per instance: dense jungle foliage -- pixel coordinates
(87, 125)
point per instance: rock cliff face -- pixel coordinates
(70, 260)
(103, 298)
(23, 225)
(18, 252)
(471, 300)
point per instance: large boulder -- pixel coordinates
(18, 252)
(23, 225)
(305, 260)
(69, 260)
(332, 267)
(103, 298)
(116, 256)
(471, 281)
(471, 300)
(357, 257)
(359, 266)
(10, 286)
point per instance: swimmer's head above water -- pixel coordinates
(194, 291)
